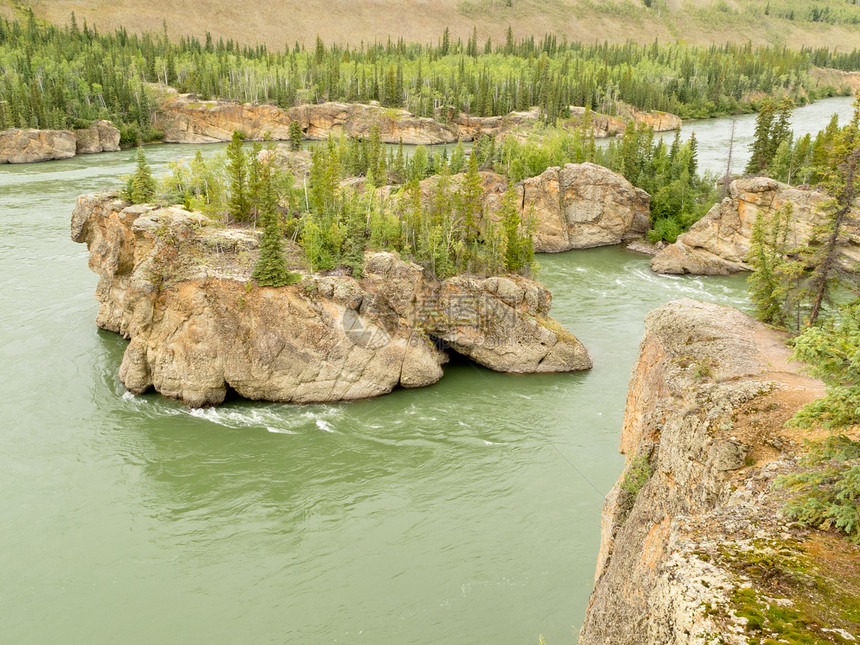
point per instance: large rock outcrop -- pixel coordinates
(718, 243)
(29, 146)
(184, 119)
(693, 549)
(101, 136)
(577, 206)
(180, 290)
(580, 206)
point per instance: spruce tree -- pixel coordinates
(141, 186)
(237, 171)
(781, 130)
(774, 284)
(271, 267)
(471, 199)
(295, 135)
(510, 218)
(842, 182)
(761, 145)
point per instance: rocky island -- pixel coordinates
(180, 289)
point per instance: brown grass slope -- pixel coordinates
(277, 22)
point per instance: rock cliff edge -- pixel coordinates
(694, 549)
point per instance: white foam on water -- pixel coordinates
(278, 419)
(322, 424)
(280, 430)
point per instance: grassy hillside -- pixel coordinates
(794, 23)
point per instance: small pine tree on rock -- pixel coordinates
(271, 267)
(141, 186)
(238, 173)
(295, 135)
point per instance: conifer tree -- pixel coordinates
(693, 160)
(471, 200)
(399, 167)
(237, 171)
(774, 284)
(761, 145)
(141, 187)
(295, 135)
(510, 218)
(271, 267)
(781, 129)
(842, 182)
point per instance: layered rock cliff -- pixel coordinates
(719, 242)
(694, 549)
(180, 289)
(185, 119)
(30, 146)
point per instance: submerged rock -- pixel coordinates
(719, 242)
(180, 290)
(29, 146)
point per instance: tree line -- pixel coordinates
(67, 76)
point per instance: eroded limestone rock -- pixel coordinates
(696, 502)
(101, 136)
(185, 119)
(578, 206)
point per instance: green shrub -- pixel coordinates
(827, 495)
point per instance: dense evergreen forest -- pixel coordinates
(55, 77)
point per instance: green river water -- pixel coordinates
(466, 512)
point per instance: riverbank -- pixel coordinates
(186, 119)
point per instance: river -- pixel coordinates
(466, 512)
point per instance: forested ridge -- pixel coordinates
(57, 77)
